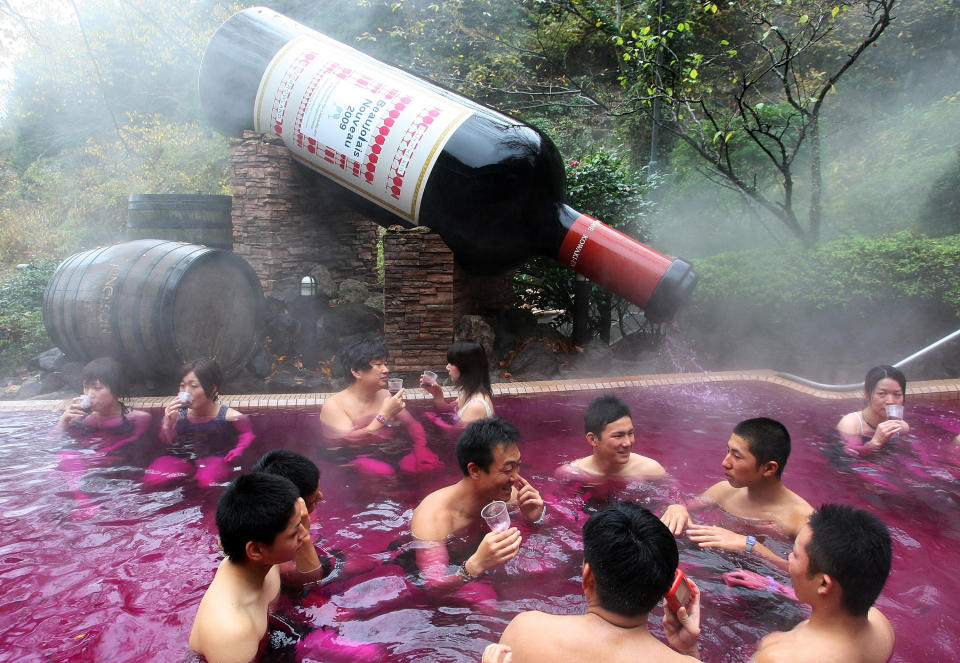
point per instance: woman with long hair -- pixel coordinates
(470, 374)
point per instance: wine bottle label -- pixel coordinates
(374, 130)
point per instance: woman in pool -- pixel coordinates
(871, 428)
(470, 373)
(197, 429)
(102, 421)
(99, 413)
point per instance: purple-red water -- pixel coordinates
(124, 583)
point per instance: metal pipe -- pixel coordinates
(859, 385)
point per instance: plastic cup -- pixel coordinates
(429, 378)
(86, 402)
(894, 411)
(394, 385)
(185, 398)
(496, 516)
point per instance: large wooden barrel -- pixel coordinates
(197, 219)
(155, 304)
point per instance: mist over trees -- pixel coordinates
(781, 123)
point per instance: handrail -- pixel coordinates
(859, 385)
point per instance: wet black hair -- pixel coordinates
(208, 373)
(853, 547)
(255, 507)
(108, 372)
(299, 469)
(471, 360)
(477, 442)
(602, 411)
(357, 357)
(768, 440)
(633, 557)
(877, 373)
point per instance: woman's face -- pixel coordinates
(454, 373)
(192, 386)
(887, 392)
(103, 399)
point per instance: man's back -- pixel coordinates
(536, 637)
(869, 641)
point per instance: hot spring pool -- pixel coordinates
(124, 584)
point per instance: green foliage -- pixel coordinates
(941, 213)
(22, 334)
(603, 185)
(857, 274)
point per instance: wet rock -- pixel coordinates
(49, 360)
(284, 382)
(316, 383)
(52, 381)
(375, 301)
(535, 361)
(476, 328)
(245, 384)
(348, 320)
(29, 388)
(283, 333)
(352, 291)
(594, 360)
(512, 324)
(261, 364)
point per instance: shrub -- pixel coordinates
(22, 334)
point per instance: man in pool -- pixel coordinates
(609, 431)
(309, 565)
(365, 412)
(489, 458)
(260, 522)
(629, 561)
(839, 564)
(756, 454)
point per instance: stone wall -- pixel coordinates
(286, 221)
(425, 292)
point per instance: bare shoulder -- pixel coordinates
(334, 411)
(137, 415)
(572, 470)
(233, 415)
(719, 492)
(530, 630)
(431, 520)
(223, 635)
(882, 634)
(778, 647)
(849, 424)
(646, 467)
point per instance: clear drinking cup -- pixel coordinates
(86, 402)
(894, 411)
(496, 516)
(394, 385)
(185, 398)
(429, 378)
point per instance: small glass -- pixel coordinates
(496, 516)
(894, 411)
(429, 378)
(86, 402)
(185, 398)
(394, 385)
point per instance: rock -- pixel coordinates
(535, 361)
(261, 364)
(375, 301)
(475, 328)
(49, 360)
(594, 360)
(283, 333)
(62, 395)
(349, 320)
(273, 307)
(512, 324)
(326, 286)
(246, 384)
(30, 388)
(52, 381)
(318, 384)
(352, 291)
(284, 382)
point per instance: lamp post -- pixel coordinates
(308, 321)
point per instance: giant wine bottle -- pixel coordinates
(491, 186)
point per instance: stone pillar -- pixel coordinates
(286, 221)
(418, 299)
(425, 292)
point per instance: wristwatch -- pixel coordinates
(751, 542)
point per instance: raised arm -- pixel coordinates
(338, 425)
(245, 434)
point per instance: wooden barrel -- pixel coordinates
(155, 304)
(197, 219)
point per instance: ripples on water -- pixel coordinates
(123, 584)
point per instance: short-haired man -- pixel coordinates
(365, 412)
(260, 522)
(610, 433)
(630, 559)
(757, 452)
(308, 565)
(489, 458)
(839, 564)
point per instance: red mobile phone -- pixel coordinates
(681, 592)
